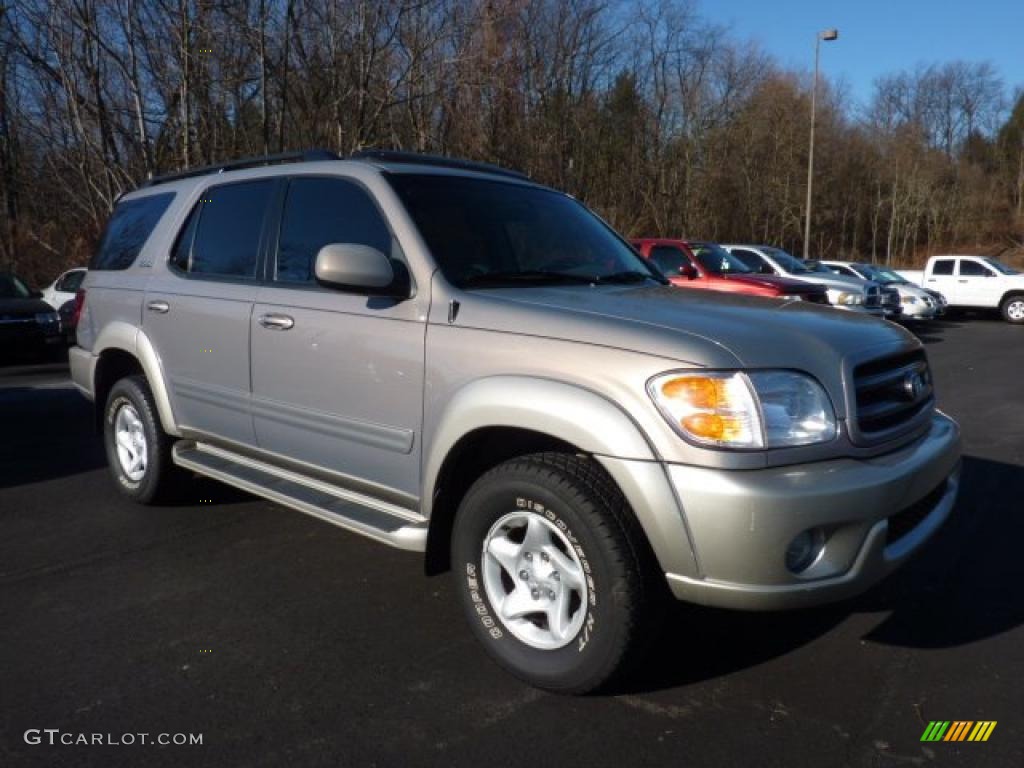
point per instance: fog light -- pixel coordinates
(804, 549)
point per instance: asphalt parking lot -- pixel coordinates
(283, 640)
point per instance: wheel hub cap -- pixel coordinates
(130, 441)
(1016, 310)
(534, 579)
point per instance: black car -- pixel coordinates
(29, 327)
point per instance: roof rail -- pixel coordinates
(245, 162)
(417, 158)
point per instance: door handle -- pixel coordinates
(961, 281)
(277, 322)
(162, 307)
(931, 279)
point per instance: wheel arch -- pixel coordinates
(124, 350)
(495, 419)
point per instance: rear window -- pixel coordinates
(131, 224)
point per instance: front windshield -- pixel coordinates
(718, 261)
(489, 233)
(1000, 267)
(880, 275)
(788, 263)
(12, 288)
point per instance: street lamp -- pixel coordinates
(827, 35)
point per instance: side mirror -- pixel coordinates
(354, 267)
(36, 294)
(688, 271)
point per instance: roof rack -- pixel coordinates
(416, 158)
(245, 162)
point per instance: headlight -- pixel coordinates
(46, 318)
(791, 297)
(848, 299)
(909, 300)
(762, 409)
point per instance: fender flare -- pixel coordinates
(129, 338)
(567, 412)
(590, 422)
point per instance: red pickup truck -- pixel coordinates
(693, 264)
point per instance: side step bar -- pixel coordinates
(376, 519)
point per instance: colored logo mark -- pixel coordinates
(958, 730)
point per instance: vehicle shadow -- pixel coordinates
(931, 331)
(50, 433)
(970, 570)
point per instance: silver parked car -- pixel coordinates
(917, 303)
(451, 359)
(846, 293)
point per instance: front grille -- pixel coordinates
(817, 297)
(891, 392)
(873, 298)
(890, 297)
(906, 520)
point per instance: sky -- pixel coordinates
(878, 37)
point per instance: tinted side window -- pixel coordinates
(319, 211)
(668, 258)
(130, 225)
(973, 269)
(943, 267)
(227, 227)
(749, 258)
(71, 282)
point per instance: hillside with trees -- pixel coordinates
(664, 123)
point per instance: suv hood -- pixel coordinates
(696, 328)
(835, 282)
(23, 307)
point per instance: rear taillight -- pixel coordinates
(76, 308)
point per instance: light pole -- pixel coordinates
(828, 35)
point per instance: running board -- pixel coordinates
(353, 511)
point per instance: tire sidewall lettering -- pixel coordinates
(493, 626)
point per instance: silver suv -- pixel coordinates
(450, 359)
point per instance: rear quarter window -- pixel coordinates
(130, 226)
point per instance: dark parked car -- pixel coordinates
(29, 327)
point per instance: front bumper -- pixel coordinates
(920, 311)
(742, 522)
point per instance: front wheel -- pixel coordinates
(1013, 309)
(553, 571)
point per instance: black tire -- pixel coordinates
(161, 478)
(1012, 309)
(626, 591)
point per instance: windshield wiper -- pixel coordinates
(525, 276)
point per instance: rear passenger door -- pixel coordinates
(337, 376)
(197, 311)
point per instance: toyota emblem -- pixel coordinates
(913, 386)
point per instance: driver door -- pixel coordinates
(337, 377)
(974, 284)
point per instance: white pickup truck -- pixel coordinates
(974, 281)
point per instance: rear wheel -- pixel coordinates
(1013, 309)
(138, 449)
(553, 571)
